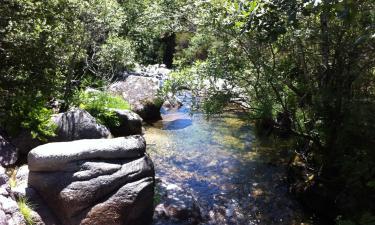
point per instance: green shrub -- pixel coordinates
(100, 104)
(40, 124)
(28, 113)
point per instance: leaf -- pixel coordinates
(371, 184)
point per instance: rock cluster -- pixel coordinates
(9, 211)
(141, 93)
(159, 71)
(99, 181)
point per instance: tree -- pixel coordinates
(44, 50)
(305, 68)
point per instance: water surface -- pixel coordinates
(236, 178)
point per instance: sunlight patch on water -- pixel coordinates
(238, 178)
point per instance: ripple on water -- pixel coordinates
(237, 178)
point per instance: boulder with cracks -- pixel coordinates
(100, 181)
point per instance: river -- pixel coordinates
(236, 177)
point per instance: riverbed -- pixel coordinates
(236, 177)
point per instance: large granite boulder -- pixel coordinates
(8, 153)
(103, 181)
(130, 123)
(78, 124)
(40, 213)
(141, 93)
(9, 211)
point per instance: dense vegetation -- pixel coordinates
(304, 69)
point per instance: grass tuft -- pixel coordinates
(26, 210)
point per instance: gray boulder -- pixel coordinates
(103, 181)
(78, 124)
(39, 212)
(9, 211)
(75, 124)
(130, 123)
(8, 153)
(142, 95)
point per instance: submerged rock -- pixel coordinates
(176, 204)
(142, 94)
(103, 181)
(78, 124)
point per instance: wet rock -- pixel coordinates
(8, 153)
(130, 123)
(142, 95)
(101, 181)
(176, 204)
(78, 124)
(9, 211)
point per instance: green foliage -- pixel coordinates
(157, 195)
(47, 47)
(99, 105)
(308, 64)
(302, 66)
(114, 56)
(29, 113)
(39, 122)
(26, 210)
(216, 103)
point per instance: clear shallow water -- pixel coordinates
(236, 178)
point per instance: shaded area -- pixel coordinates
(177, 124)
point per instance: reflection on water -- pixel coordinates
(237, 179)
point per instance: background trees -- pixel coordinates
(305, 68)
(47, 50)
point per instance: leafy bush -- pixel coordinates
(40, 124)
(30, 113)
(100, 104)
(216, 103)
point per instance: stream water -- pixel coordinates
(236, 177)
